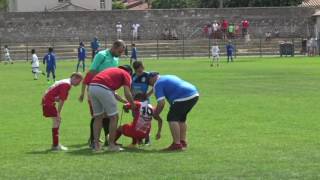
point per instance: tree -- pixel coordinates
(3, 5)
(169, 4)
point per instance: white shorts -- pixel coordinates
(36, 70)
(103, 100)
(215, 55)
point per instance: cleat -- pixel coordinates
(59, 148)
(174, 147)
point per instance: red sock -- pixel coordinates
(55, 136)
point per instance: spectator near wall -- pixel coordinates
(119, 30)
(215, 28)
(231, 30)
(135, 28)
(245, 26)
(224, 28)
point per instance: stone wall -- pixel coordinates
(291, 21)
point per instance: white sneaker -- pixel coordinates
(59, 148)
(115, 148)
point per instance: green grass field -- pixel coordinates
(257, 118)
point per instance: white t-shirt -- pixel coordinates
(35, 61)
(135, 27)
(119, 27)
(6, 52)
(215, 50)
(215, 26)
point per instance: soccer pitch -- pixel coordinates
(257, 118)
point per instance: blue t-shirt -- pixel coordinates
(174, 89)
(50, 61)
(140, 84)
(229, 49)
(134, 53)
(81, 53)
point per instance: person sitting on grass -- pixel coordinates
(58, 92)
(141, 125)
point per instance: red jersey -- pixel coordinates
(58, 91)
(225, 24)
(245, 24)
(142, 116)
(112, 78)
(88, 78)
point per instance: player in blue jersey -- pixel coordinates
(81, 56)
(182, 96)
(134, 55)
(50, 61)
(230, 50)
(140, 85)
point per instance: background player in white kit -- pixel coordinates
(35, 65)
(7, 57)
(215, 54)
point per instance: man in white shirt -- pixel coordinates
(35, 65)
(119, 30)
(215, 27)
(7, 57)
(135, 28)
(215, 54)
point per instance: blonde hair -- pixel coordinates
(77, 75)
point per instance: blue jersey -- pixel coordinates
(50, 61)
(95, 45)
(81, 53)
(174, 89)
(229, 49)
(140, 84)
(134, 53)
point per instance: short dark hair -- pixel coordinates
(33, 51)
(139, 97)
(119, 43)
(137, 64)
(50, 49)
(133, 44)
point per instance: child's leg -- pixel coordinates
(35, 75)
(55, 131)
(83, 66)
(118, 134)
(105, 124)
(48, 74)
(54, 75)
(78, 65)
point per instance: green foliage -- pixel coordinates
(3, 4)
(118, 5)
(169, 4)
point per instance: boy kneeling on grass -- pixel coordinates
(141, 125)
(58, 92)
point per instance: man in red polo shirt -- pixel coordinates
(58, 92)
(105, 122)
(102, 95)
(245, 26)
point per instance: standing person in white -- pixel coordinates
(135, 28)
(35, 65)
(215, 54)
(119, 30)
(7, 57)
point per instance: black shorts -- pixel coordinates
(179, 110)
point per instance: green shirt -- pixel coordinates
(104, 60)
(231, 28)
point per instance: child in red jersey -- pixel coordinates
(141, 125)
(58, 93)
